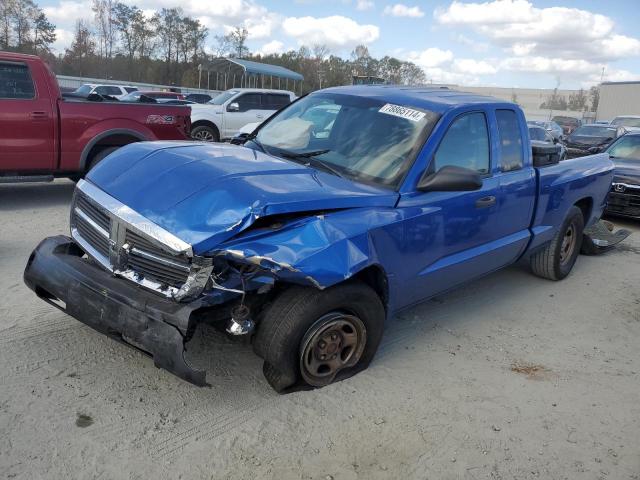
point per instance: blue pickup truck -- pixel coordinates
(347, 206)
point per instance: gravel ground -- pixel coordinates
(511, 376)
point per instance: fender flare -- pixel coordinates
(101, 136)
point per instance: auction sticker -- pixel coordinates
(402, 112)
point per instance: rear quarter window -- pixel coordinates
(15, 81)
(511, 155)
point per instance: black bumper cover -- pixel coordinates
(117, 308)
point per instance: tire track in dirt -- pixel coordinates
(211, 427)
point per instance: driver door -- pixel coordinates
(248, 111)
(451, 239)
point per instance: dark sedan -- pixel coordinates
(590, 139)
(540, 136)
(624, 198)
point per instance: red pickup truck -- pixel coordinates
(45, 135)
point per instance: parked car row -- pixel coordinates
(46, 135)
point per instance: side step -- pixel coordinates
(26, 179)
(600, 238)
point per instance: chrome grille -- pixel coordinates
(119, 247)
(149, 260)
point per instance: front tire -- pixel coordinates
(316, 337)
(556, 260)
(204, 133)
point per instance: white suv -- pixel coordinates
(117, 91)
(222, 117)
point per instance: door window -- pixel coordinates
(105, 90)
(249, 101)
(272, 101)
(511, 155)
(15, 81)
(466, 144)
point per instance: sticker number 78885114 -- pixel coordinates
(402, 112)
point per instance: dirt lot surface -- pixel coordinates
(509, 377)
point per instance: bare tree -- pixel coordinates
(104, 15)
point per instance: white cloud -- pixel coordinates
(401, 10)
(68, 12)
(526, 30)
(335, 31)
(64, 38)
(496, 12)
(274, 46)
(431, 57)
(583, 72)
(473, 67)
(363, 5)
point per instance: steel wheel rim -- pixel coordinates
(335, 342)
(568, 244)
(203, 135)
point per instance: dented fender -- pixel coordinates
(319, 251)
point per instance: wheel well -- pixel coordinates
(586, 204)
(205, 123)
(116, 140)
(376, 278)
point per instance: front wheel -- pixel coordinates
(205, 133)
(315, 337)
(556, 260)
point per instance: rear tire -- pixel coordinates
(98, 157)
(556, 260)
(205, 133)
(309, 337)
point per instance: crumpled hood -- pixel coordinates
(207, 193)
(626, 171)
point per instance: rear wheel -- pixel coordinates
(101, 155)
(315, 337)
(205, 133)
(556, 260)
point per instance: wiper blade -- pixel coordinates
(314, 162)
(304, 154)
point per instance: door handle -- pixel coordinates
(485, 202)
(38, 115)
(259, 116)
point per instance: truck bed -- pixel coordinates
(566, 183)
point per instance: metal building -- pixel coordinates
(618, 98)
(225, 73)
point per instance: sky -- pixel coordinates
(506, 43)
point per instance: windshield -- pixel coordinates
(223, 97)
(627, 148)
(132, 96)
(537, 133)
(626, 122)
(594, 131)
(84, 89)
(361, 138)
(565, 120)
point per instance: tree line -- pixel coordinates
(580, 101)
(121, 43)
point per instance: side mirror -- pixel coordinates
(233, 107)
(555, 140)
(451, 179)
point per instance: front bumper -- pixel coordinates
(624, 204)
(58, 274)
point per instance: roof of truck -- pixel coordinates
(437, 99)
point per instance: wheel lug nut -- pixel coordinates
(322, 344)
(323, 357)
